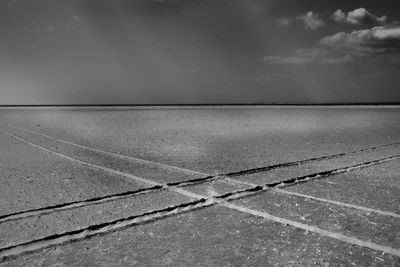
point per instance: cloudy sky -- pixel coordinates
(199, 51)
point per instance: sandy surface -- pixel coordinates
(209, 237)
(318, 166)
(209, 141)
(351, 222)
(217, 140)
(31, 178)
(375, 187)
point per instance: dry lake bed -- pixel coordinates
(200, 186)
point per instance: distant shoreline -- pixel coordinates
(204, 106)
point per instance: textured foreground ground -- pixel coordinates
(201, 186)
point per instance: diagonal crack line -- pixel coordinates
(201, 202)
(153, 189)
(174, 185)
(217, 176)
(144, 161)
(95, 201)
(314, 229)
(221, 200)
(338, 203)
(102, 228)
(156, 186)
(209, 178)
(299, 162)
(301, 179)
(77, 204)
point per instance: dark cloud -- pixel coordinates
(311, 20)
(377, 40)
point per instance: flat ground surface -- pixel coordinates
(211, 186)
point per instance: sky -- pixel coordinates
(199, 51)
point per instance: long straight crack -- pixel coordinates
(201, 202)
(174, 185)
(162, 165)
(299, 162)
(338, 203)
(208, 178)
(102, 228)
(77, 204)
(302, 179)
(229, 174)
(155, 186)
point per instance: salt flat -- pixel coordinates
(52, 159)
(217, 140)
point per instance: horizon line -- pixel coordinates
(67, 106)
(215, 104)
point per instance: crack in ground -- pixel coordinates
(202, 202)
(102, 228)
(299, 162)
(302, 179)
(221, 199)
(114, 197)
(229, 174)
(77, 204)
